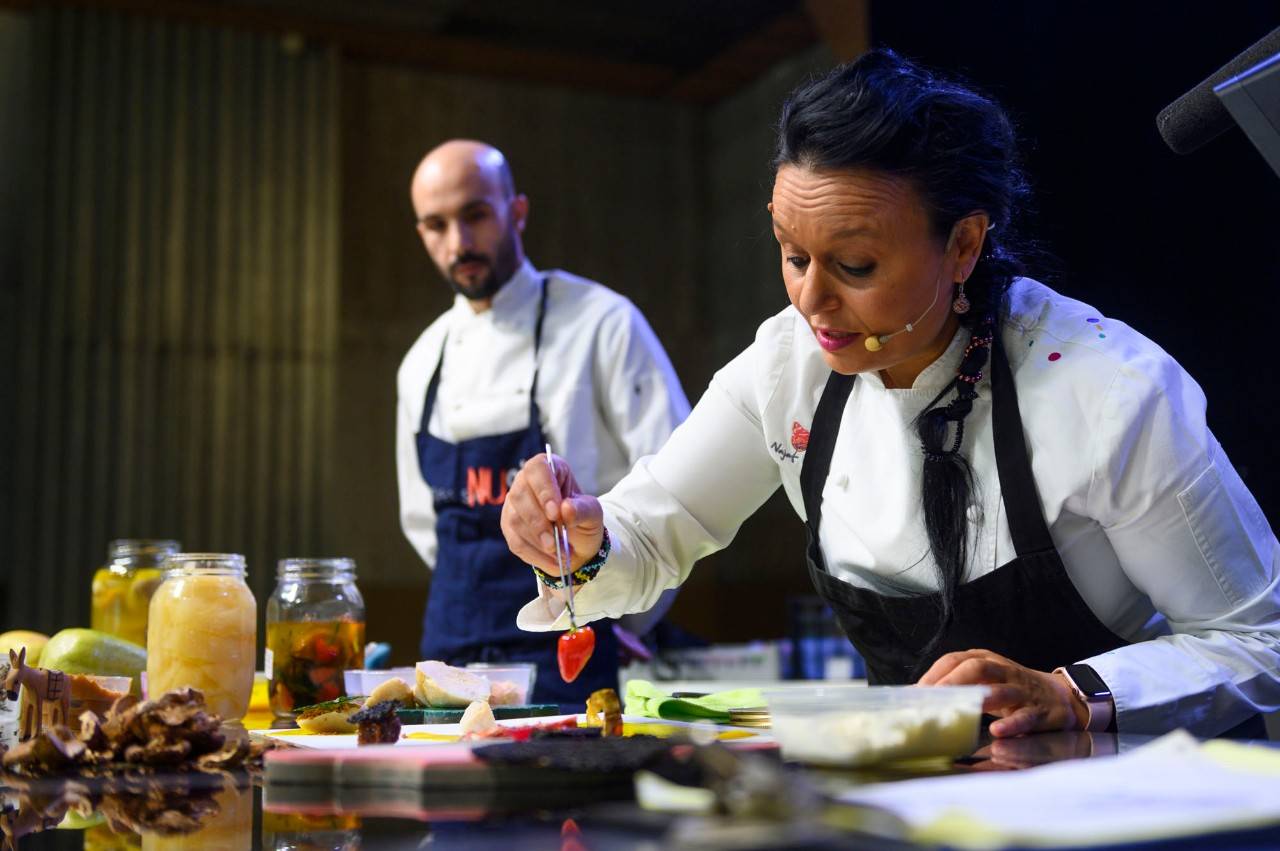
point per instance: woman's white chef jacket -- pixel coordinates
(1158, 533)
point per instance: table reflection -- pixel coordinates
(133, 810)
(759, 801)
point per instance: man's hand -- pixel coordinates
(536, 500)
(1024, 701)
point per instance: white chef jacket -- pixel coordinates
(607, 392)
(1157, 532)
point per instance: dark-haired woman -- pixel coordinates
(1000, 484)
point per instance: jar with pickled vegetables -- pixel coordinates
(122, 589)
(201, 631)
(315, 631)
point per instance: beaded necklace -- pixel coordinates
(969, 373)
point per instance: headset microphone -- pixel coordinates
(873, 344)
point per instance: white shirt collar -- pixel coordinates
(936, 375)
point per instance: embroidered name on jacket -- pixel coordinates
(799, 443)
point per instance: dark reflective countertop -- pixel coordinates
(237, 810)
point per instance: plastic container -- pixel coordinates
(361, 683)
(855, 726)
(520, 676)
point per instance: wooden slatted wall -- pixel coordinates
(177, 325)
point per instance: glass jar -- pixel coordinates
(224, 820)
(315, 631)
(309, 831)
(201, 631)
(122, 589)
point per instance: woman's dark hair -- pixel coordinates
(958, 150)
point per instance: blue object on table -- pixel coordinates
(377, 655)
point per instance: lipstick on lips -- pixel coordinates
(832, 340)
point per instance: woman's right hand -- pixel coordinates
(536, 500)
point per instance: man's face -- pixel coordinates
(471, 227)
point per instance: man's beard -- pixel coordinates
(501, 270)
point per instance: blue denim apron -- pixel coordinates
(478, 586)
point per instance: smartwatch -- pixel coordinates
(1089, 688)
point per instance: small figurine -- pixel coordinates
(46, 696)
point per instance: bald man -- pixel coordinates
(522, 358)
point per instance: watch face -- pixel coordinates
(1088, 681)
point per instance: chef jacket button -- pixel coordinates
(843, 481)
(974, 513)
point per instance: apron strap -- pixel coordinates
(535, 418)
(434, 384)
(823, 432)
(1027, 528)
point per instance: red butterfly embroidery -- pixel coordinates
(799, 437)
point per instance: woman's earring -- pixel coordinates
(961, 304)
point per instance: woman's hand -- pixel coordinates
(536, 500)
(1024, 701)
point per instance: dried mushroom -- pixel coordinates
(171, 731)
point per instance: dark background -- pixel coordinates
(1186, 249)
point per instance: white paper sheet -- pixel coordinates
(1174, 786)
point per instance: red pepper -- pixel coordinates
(574, 650)
(322, 650)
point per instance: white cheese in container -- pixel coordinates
(863, 725)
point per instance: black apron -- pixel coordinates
(478, 586)
(1027, 609)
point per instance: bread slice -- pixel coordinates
(445, 686)
(329, 718)
(393, 689)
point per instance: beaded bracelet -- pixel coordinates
(583, 574)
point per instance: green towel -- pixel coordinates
(644, 698)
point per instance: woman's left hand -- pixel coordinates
(1024, 701)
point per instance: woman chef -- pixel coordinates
(1000, 485)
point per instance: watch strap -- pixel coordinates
(1100, 704)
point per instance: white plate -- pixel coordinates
(347, 742)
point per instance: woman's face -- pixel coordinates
(859, 259)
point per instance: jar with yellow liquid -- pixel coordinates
(283, 831)
(122, 589)
(201, 631)
(315, 631)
